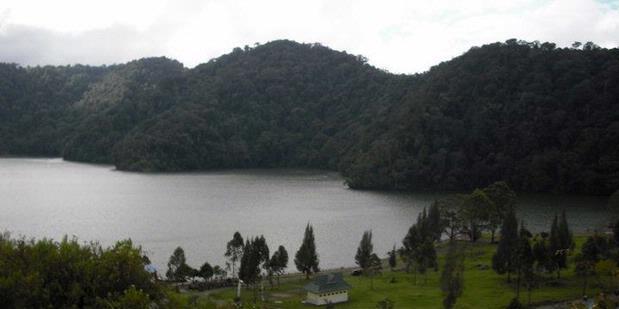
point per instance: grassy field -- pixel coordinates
(483, 288)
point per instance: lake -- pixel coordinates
(201, 211)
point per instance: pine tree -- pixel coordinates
(556, 247)
(306, 258)
(249, 269)
(262, 249)
(375, 267)
(365, 251)
(524, 260)
(542, 261)
(503, 260)
(423, 225)
(411, 243)
(392, 258)
(567, 238)
(426, 258)
(434, 222)
(452, 276)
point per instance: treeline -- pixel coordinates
(532, 259)
(540, 117)
(254, 260)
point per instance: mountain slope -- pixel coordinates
(542, 118)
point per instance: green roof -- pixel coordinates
(327, 283)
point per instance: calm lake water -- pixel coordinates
(201, 211)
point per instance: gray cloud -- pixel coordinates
(35, 46)
(399, 35)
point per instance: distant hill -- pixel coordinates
(542, 118)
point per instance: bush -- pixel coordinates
(46, 273)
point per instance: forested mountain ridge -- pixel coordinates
(545, 119)
(542, 118)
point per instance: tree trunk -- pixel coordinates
(492, 237)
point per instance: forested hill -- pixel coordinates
(542, 118)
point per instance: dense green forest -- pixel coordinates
(540, 117)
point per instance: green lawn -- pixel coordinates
(483, 288)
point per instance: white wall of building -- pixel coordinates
(325, 298)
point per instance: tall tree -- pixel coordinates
(503, 261)
(279, 262)
(452, 215)
(366, 258)
(426, 258)
(541, 254)
(410, 247)
(234, 250)
(178, 269)
(503, 198)
(364, 251)
(565, 234)
(393, 259)
(375, 268)
(558, 244)
(249, 268)
(452, 275)
(418, 249)
(262, 249)
(435, 223)
(477, 210)
(206, 271)
(306, 258)
(524, 261)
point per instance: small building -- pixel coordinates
(327, 289)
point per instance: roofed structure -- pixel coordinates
(327, 289)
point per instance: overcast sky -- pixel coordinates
(405, 36)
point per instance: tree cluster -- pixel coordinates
(531, 257)
(180, 271)
(418, 251)
(49, 274)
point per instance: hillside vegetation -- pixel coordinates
(542, 118)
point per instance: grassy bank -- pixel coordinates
(483, 287)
